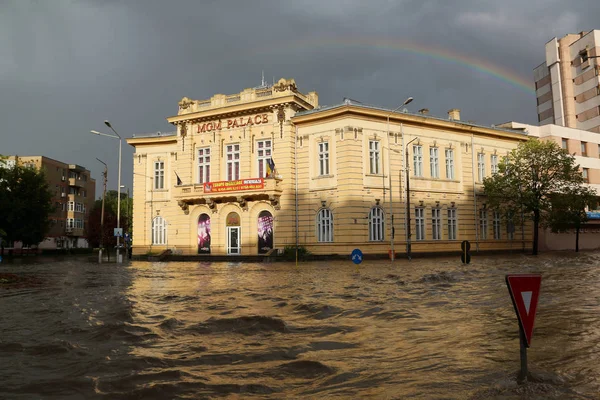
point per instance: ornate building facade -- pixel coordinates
(267, 168)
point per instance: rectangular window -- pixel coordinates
(584, 149)
(449, 163)
(78, 223)
(483, 224)
(480, 167)
(78, 207)
(264, 151)
(565, 144)
(497, 225)
(510, 227)
(494, 163)
(452, 224)
(436, 224)
(204, 165)
(233, 162)
(374, 156)
(324, 158)
(71, 206)
(70, 222)
(434, 164)
(585, 174)
(420, 223)
(159, 175)
(418, 160)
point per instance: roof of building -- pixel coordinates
(349, 102)
(154, 134)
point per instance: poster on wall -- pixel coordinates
(204, 234)
(265, 232)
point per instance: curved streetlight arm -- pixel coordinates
(105, 134)
(107, 123)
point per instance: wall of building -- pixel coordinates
(349, 189)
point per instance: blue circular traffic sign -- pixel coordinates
(357, 256)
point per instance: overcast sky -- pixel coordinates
(67, 65)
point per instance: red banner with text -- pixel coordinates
(234, 186)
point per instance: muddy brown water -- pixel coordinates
(425, 329)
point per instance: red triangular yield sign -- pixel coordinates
(525, 291)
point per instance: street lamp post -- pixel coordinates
(408, 233)
(105, 176)
(392, 254)
(107, 123)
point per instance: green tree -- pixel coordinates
(528, 177)
(569, 210)
(25, 203)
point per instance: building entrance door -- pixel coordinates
(233, 240)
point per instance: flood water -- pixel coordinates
(425, 329)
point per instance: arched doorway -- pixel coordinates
(204, 234)
(232, 222)
(265, 232)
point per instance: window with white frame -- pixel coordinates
(418, 160)
(496, 225)
(376, 224)
(374, 156)
(510, 226)
(78, 207)
(159, 175)
(233, 162)
(264, 151)
(159, 230)
(449, 164)
(70, 222)
(324, 158)
(204, 165)
(480, 166)
(78, 223)
(71, 206)
(325, 225)
(420, 223)
(483, 224)
(434, 164)
(452, 224)
(436, 223)
(494, 163)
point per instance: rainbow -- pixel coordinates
(443, 54)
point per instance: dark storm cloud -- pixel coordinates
(65, 66)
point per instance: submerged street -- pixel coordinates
(425, 329)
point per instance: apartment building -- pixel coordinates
(74, 193)
(266, 168)
(568, 82)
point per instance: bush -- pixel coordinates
(289, 253)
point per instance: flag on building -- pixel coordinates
(178, 179)
(270, 168)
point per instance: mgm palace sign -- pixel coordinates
(234, 123)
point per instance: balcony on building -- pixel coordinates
(74, 231)
(242, 191)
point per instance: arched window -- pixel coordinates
(159, 231)
(376, 224)
(325, 225)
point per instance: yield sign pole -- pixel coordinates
(524, 292)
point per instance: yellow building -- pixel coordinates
(268, 168)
